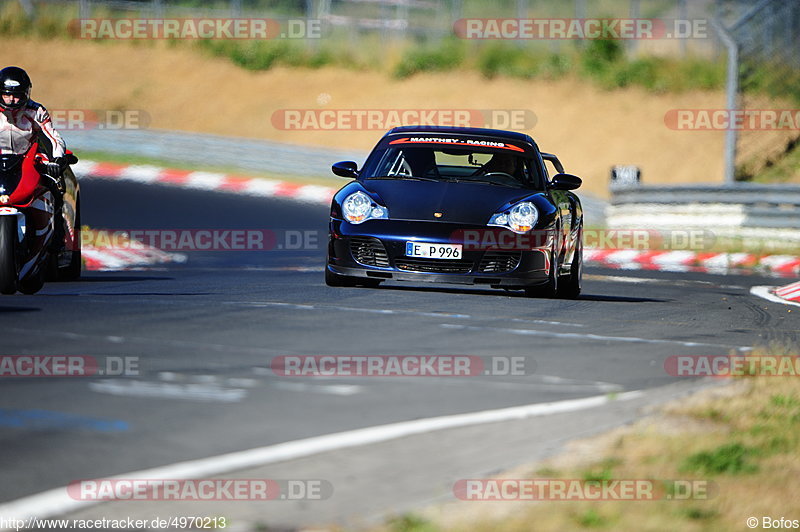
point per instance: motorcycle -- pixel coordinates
(29, 255)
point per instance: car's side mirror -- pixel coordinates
(565, 182)
(345, 169)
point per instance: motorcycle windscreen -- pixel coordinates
(10, 173)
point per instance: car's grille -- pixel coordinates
(369, 251)
(499, 261)
(434, 266)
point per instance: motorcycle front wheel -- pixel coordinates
(8, 242)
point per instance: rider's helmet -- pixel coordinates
(15, 81)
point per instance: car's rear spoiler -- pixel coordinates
(553, 159)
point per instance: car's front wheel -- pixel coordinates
(550, 288)
(570, 285)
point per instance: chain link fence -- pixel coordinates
(423, 20)
(767, 39)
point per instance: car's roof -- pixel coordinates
(475, 131)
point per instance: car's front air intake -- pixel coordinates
(369, 251)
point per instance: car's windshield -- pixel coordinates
(457, 163)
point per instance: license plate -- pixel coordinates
(433, 251)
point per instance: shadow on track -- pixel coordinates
(512, 293)
(119, 279)
(4, 309)
(621, 299)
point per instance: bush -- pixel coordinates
(446, 56)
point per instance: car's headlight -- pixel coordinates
(358, 207)
(521, 218)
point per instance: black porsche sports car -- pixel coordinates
(457, 205)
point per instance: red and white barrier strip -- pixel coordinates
(107, 259)
(686, 261)
(206, 181)
(790, 292)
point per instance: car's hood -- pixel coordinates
(467, 203)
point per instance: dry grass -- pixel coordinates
(693, 438)
(589, 128)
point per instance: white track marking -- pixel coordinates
(57, 501)
(300, 306)
(765, 292)
(330, 389)
(447, 315)
(589, 336)
(545, 322)
(652, 280)
(167, 390)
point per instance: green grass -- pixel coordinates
(442, 57)
(732, 458)
(411, 523)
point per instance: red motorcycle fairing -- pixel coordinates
(23, 194)
(35, 226)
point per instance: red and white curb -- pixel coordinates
(251, 186)
(692, 261)
(107, 259)
(790, 292)
(787, 295)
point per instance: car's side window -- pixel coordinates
(537, 174)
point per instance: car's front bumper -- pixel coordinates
(376, 250)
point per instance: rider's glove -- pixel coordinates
(62, 163)
(53, 172)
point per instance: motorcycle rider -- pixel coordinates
(21, 121)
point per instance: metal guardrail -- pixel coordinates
(740, 194)
(753, 211)
(215, 150)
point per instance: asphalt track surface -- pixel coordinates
(205, 332)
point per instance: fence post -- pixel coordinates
(27, 6)
(732, 91)
(683, 14)
(633, 44)
(580, 13)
